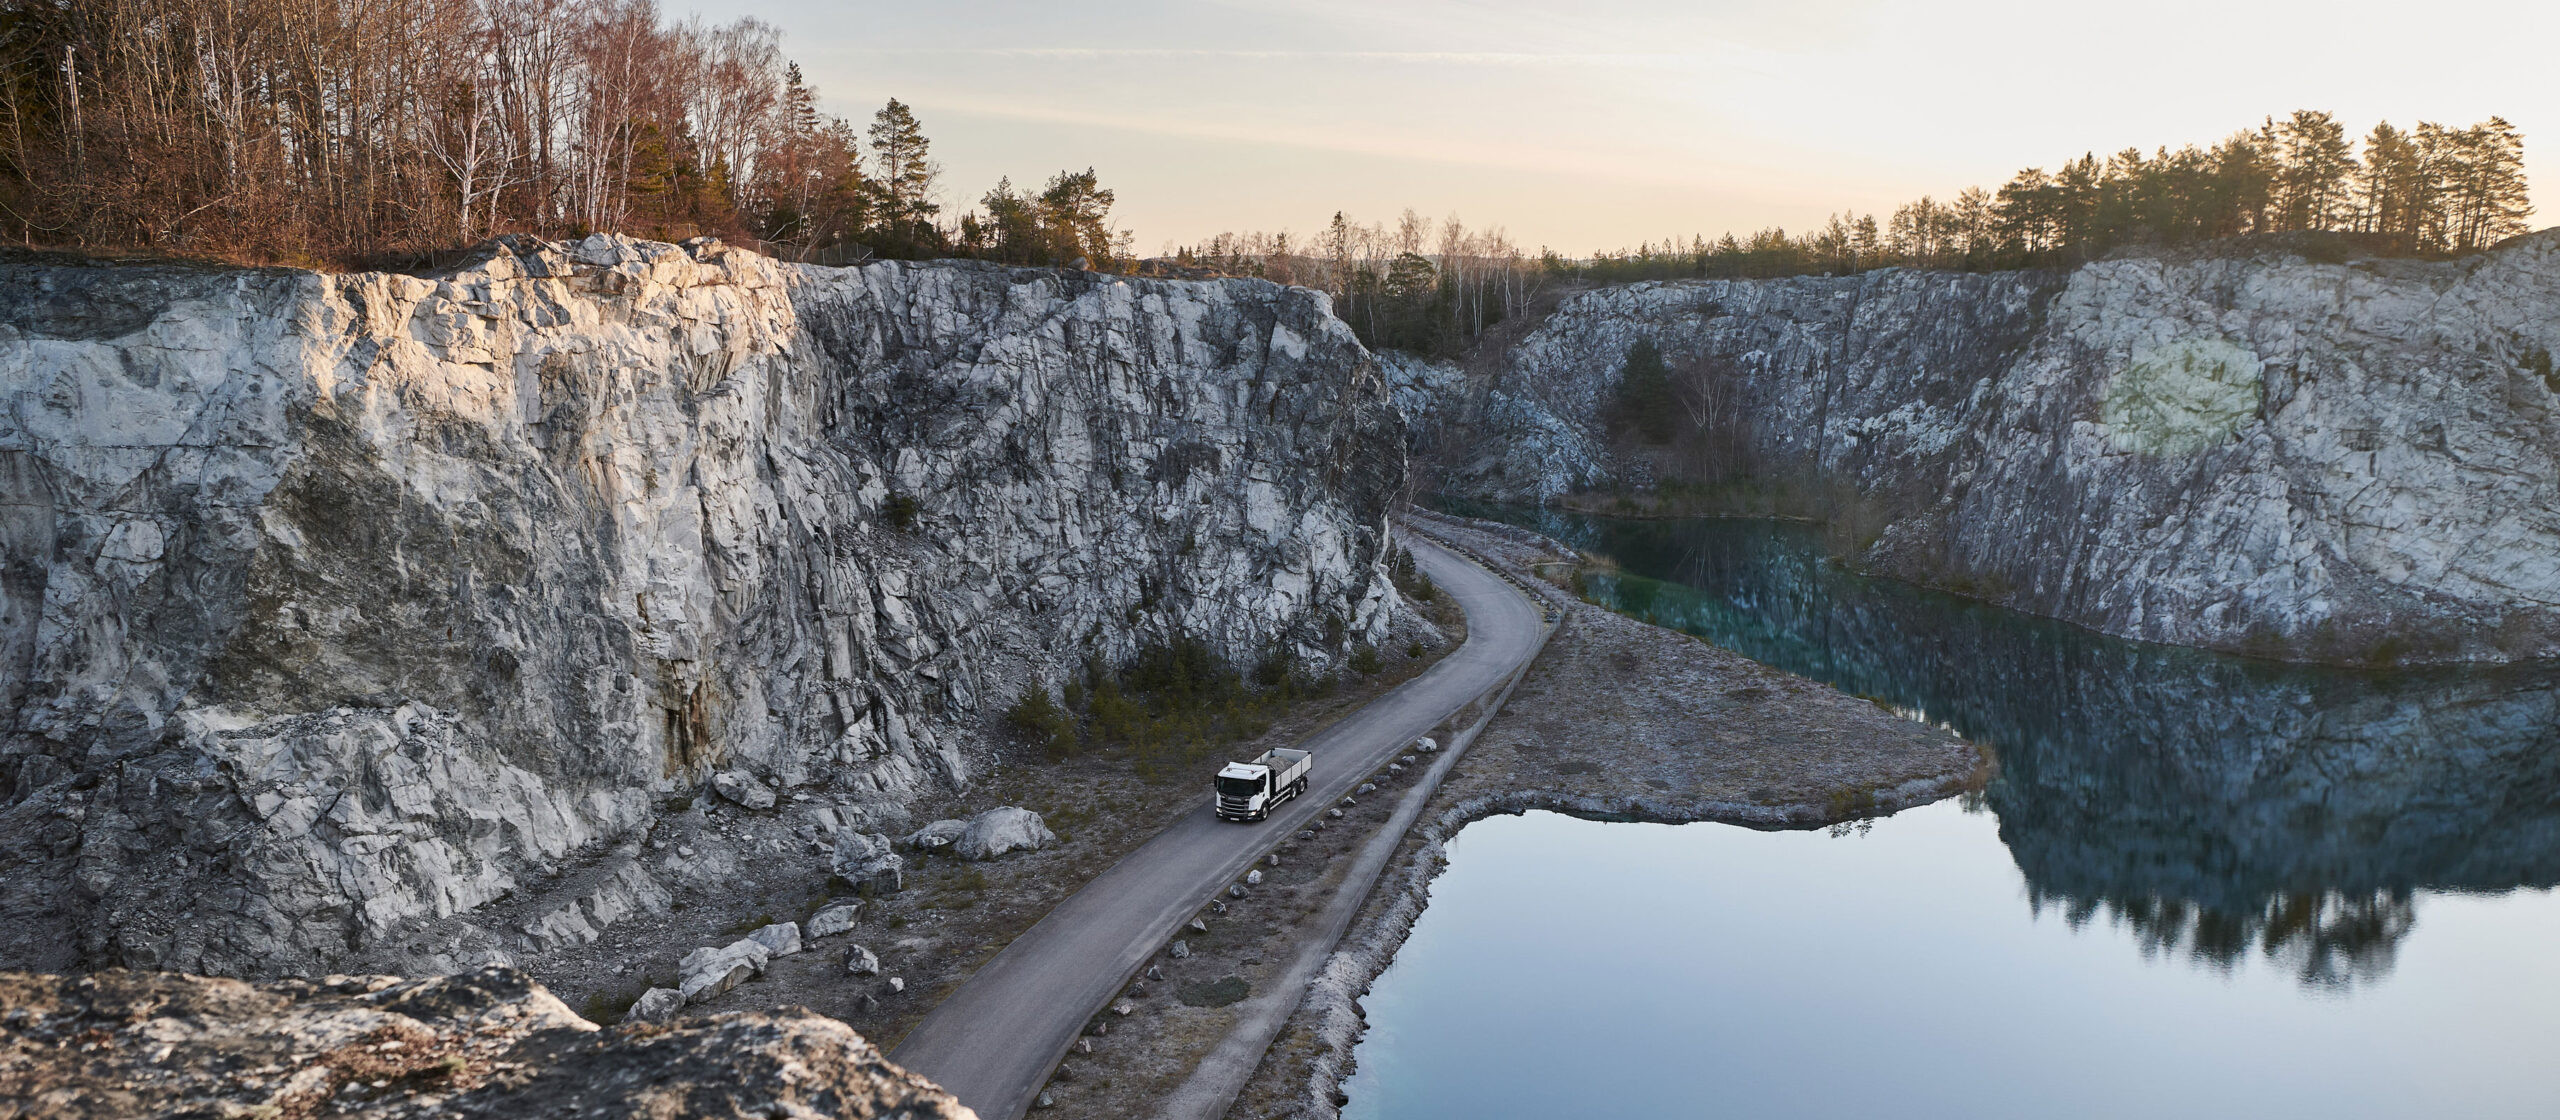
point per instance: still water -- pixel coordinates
(2199, 885)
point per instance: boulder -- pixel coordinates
(1124, 1009)
(707, 972)
(867, 860)
(743, 788)
(1181, 950)
(484, 1045)
(781, 938)
(1198, 926)
(657, 1005)
(833, 918)
(939, 834)
(1426, 745)
(997, 831)
(1253, 878)
(897, 984)
(859, 961)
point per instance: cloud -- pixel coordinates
(1672, 60)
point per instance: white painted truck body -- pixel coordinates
(1248, 791)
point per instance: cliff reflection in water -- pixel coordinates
(2213, 806)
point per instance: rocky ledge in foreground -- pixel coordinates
(490, 1043)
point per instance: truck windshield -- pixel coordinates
(1238, 787)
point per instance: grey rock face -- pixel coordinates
(867, 861)
(833, 919)
(934, 836)
(1000, 830)
(707, 972)
(782, 939)
(335, 609)
(626, 889)
(743, 789)
(487, 1045)
(2251, 451)
(859, 961)
(657, 1005)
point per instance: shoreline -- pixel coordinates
(1303, 1072)
(1605, 724)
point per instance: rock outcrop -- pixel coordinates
(335, 606)
(2242, 448)
(487, 1044)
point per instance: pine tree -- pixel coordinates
(905, 179)
(1075, 215)
(2317, 163)
(1011, 229)
(2393, 196)
(2483, 185)
(1644, 392)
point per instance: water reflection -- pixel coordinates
(2215, 807)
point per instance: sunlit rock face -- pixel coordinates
(337, 604)
(2246, 450)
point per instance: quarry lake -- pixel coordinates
(2196, 883)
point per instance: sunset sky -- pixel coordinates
(1597, 125)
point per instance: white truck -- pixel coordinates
(1248, 791)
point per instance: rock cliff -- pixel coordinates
(337, 606)
(2244, 448)
(489, 1043)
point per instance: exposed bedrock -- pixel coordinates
(337, 605)
(2246, 450)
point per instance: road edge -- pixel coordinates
(1222, 1076)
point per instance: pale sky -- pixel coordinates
(1585, 126)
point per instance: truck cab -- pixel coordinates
(1248, 791)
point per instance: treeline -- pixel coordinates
(1414, 286)
(346, 132)
(2431, 190)
(2427, 191)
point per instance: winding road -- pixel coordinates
(994, 1041)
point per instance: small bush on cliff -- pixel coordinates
(1364, 660)
(1041, 721)
(900, 512)
(1409, 578)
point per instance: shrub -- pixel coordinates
(1214, 993)
(1364, 660)
(605, 1008)
(900, 512)
(1041, 721)
(1409, 578)
(1645, 402)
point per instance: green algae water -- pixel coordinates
(2199, 885)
